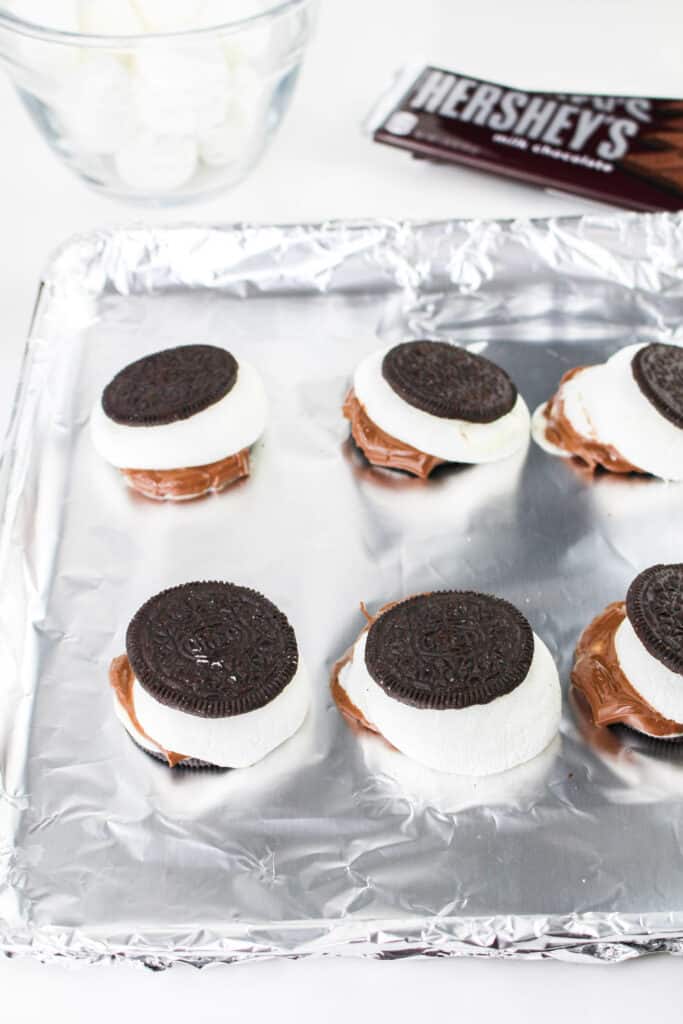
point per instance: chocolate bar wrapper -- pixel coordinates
(625, 150)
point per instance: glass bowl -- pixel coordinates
(159, 101)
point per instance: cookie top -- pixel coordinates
(448, 382)
(212, 649)
(658, 370)
(449, 649)
(170, 385)
(654, 605)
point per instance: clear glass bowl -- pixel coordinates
(161, 117)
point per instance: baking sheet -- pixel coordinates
(334, 844)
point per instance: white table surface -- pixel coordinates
(319, 167)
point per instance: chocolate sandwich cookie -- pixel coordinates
(180, 423)
(456, 680)
(629, 660)
(658, 371)
(625, 415)
(424, 403)
(211, 675)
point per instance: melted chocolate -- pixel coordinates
(352, 714)
(121, 679)
(598, 675)
(380, 448)
(559, 431)
(191, 482)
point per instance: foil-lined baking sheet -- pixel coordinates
(334, 844)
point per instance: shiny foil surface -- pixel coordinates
(334, 844)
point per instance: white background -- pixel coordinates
(320, 167)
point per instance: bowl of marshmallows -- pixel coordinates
(156, 100)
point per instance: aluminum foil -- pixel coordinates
(334, 843)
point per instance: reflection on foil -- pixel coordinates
(333, 843)
(394, 777)
(448, 499)
(650, 768)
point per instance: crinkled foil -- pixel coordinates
(334, 844)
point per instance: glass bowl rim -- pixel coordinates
(25, 27)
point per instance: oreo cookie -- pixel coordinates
(212, 649)
(170, 385)
(654, 605)
(449, 649)
(658, 371)
(449, 382)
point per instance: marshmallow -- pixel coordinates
(132, 729)
(271, 45)
(605, 404)
(94, 104)
(657, 684)
(229, 141)
(182, 91)
(168, 15)
(224, 428)
(200, 89)
(109, 18)
(255, 45)
(448, 439)
(157, 163)
(236, 741)
(478, 740)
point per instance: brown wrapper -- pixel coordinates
(626, 150)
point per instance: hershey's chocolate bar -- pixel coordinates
(626, 150)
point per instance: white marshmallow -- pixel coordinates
(449, 439)
(94, 104)
(228, 142)
(233, 742)
(255, 45)
(125, 720)
(109, 18)
(168, 15)
(478, 740)
(605, 404)
(182, 91)
(224, 428)
(657, 684)
(157, 163)
(271, 46)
